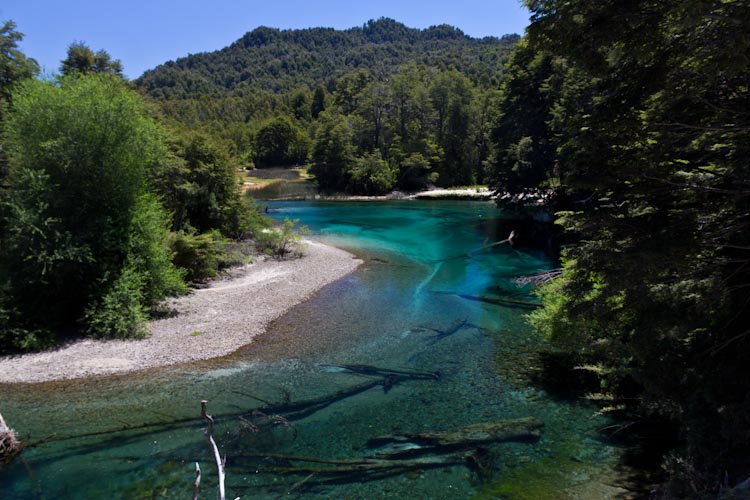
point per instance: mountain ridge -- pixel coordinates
(277, 61)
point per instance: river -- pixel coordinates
(411, 307)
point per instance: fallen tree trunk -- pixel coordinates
(500, 301)
(370, 465)
(384, 372)
(501, 431)
(399, 453)
(301, 409)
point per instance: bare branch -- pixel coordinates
(214, 449)
(197, 484)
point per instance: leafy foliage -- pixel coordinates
(419, 99)
(280, 143)
(198, 186)
(639, 108)
(14, 65)
(371, 175)
(203, 256)
(81, 60)
(282, 241)
(280, 61)
(83, 236)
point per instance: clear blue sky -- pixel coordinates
(144, 34)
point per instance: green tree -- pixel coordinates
(318, 104)
(332, 153)
(198, 186)
(302, 105)
(525, 143)
(14, 65)
(452, 95)
(81, 59)
(280, 143)
(85, 242)
(653, 149)
(371, 175)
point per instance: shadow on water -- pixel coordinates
(382, 352)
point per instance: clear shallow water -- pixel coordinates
(424, 260)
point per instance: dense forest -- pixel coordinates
(626, 122)
(373, 108)
(631, 121)
(105, 211)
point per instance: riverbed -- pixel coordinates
(414, 306)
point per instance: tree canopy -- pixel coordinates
(635, 115)
(85, 238)
(81, 59)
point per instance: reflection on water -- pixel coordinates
(406, 309)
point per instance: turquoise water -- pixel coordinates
(425, 264)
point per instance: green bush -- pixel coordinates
(84, 246)
(121, 312)
(204, 256)
(282, 241)
(371, 175)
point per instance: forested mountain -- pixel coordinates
(405, 107)
(277, 61)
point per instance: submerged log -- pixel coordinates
(384, 372)
(301, 409)
(367, 465)
(501, 431)
(399, 453)
(454, 328)
(500, 301)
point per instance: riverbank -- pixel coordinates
(210, 322)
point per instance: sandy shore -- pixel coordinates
(209, 323)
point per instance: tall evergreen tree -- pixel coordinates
(652, 134)
(81, 59)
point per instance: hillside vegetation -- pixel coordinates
(279, 61)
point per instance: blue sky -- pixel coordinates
(143, 34)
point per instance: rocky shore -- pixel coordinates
(208, 323)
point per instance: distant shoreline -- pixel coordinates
(210, 322)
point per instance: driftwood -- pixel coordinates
(197, 483)
(539, 278)
(364, 465)
(453, 329)
(214, 449)
(10, 446)
(385, 372)
(301, 409)
(398, 453)
(510, 240)
(500, 301)
(501, 431)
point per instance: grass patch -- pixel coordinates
(279, 183)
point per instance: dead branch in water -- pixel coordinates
(454, 328)
(10, 445)
(501, 431)
(197, 484)
(301, 409)
(500, 301)
(384, 372)
(399, 453)
(539, 278)
(220, 463)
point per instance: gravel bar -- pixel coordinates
(210, 322)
